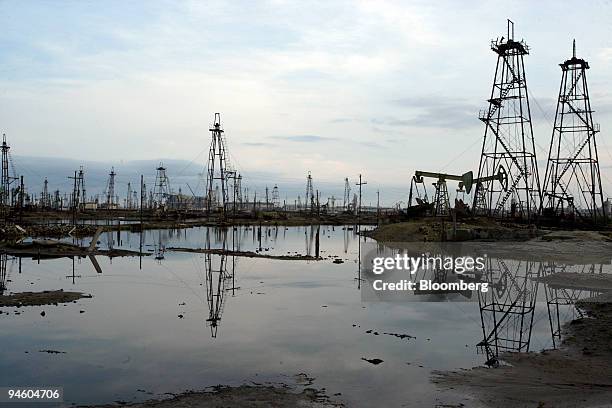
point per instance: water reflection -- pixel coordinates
(296, 316)
(219, 278)
(507, 308)
(3, 272)
(7, 263)
(560, 301)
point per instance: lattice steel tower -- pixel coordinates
(572, 183)
(161, 189)
(5, 181)
(110, 189)
(217, 153)
(275, 197)
(508, 139)
(347, 194)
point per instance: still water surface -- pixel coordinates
(243, 320)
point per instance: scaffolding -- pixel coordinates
(217, 156)
(572, 183)
(508, 138)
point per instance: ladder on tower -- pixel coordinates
(502, 202)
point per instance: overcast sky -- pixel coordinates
(338, 88)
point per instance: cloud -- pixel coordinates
(305, 138)
(256, 144)
(441, 112)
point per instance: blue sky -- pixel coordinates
(338, 88)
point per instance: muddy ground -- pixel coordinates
(47, 297)
(243, 396)
(55, 249)
(245, 254)
(578, 374)
(434, 229)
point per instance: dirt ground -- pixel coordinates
(578, 374)
(47, 297)
(245, 254)
(433, 229)
(243, 396)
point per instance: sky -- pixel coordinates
(338, 88)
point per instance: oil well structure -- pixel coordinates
(507, 183)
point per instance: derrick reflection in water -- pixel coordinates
(3, 273)
(220, 275)
(507, 310)
(5, 269)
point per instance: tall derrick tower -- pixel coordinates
(309, 197)
(161, 189)
(5, 180)
(110, 189)
(572, 183)
(508, 139)
(217, 154)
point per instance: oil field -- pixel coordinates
(226, 290)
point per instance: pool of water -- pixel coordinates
(174, 321)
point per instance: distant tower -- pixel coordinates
(508, 139)
(161, 189)
(57, 201)
(309, 198)
(347, 194)
(110, 189)
(143, 196)
(217, 154)
(572, 184)
(128, 201)
(6, 181)
(275, 197)
(238, 189)
(81, 185)
(45, 201)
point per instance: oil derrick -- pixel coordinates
(81, 185)
(45, 198)
(75, 197)
(57, 200)
(309, 197)
(6, 180)
(508, 138)
(110, 189)
(572, 183)
(441, 200)
(161, 189)
(347, 194)
(507, 308)
(233, 176)
(217, 157)
(275, 197)
(143, 196)
(238, 190)
(128, 201)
